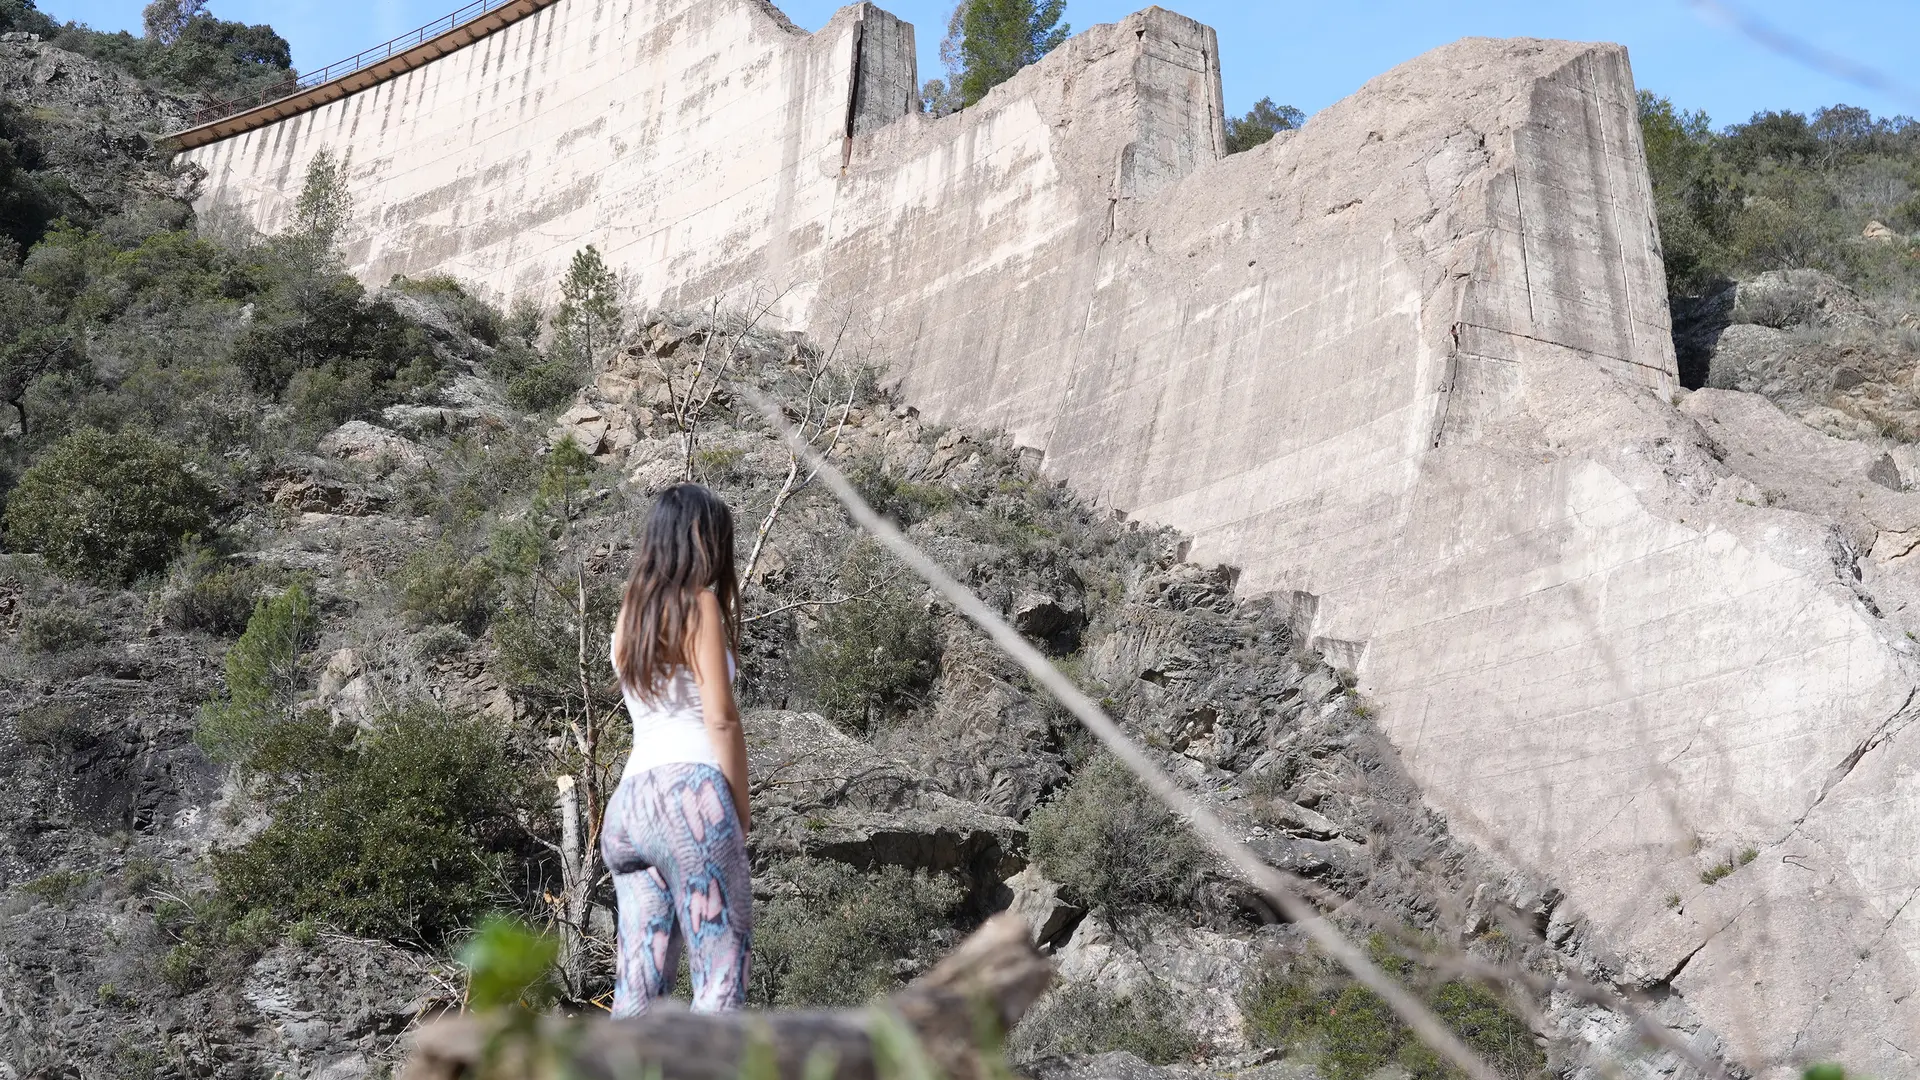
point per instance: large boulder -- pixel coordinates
(823, 793)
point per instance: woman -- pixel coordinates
(676, 828)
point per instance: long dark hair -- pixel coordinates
(687, 547)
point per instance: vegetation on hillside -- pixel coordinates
(184, 47)
(1837, 191)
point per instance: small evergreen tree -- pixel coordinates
(264, 679)
(999, 37)
(1261, 124)
(589, 317)
(320, 214)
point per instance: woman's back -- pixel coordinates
(669, 727)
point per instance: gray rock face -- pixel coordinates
(827, 794)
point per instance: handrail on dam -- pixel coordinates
(461, 27)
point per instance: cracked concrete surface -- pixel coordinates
(1411, 364)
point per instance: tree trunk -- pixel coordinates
(953, 1016)
(573, 887)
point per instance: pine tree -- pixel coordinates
(320, 214)
(999, 37)
(589, 317)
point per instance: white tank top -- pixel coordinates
(670, 729)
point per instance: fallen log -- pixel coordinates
(954, 1016)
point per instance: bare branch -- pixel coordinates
(852, 598)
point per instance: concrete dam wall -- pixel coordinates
(1409, 367)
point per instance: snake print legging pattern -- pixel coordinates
(679, 863)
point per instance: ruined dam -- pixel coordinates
(1409, 367)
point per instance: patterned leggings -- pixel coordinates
(679, 861)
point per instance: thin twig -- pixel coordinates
(835, 602)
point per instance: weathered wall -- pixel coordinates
(1410, 365)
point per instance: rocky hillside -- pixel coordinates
(304, 592)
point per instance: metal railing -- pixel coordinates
(220, 110)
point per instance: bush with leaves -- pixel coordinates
(58, 630)
(401, 832)
(1308, 1004)
(873, 654)
(108, 507)
(839, 935)
(208, 591)
(1109, 842)
(533, 381)
(264, 678)
(443, 584)
(321, 343)
(905, 501)
(1080, 1019)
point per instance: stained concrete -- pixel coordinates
(1410, 367)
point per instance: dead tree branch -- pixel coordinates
(954, 1015)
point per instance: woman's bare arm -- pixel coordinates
(708, 658)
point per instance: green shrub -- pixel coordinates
(533, 382)
(902, 500)
(205, 591)
(58, 887)
(472, 315)
(58, 630)
(1309, 1005)
(718, 464)
(108, 508)
(263, 681)
(401, 834)
(1107, 841)
(320, 343)
(870, 656)
(54, 728)
(440, 642)
(1079, 1019)
(836, 939)
(214, 940)
(441, 584)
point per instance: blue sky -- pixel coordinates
(1311, 54)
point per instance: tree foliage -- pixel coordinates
(999, 37)
(108, 507)
(1261, 124)
(321, 212)
(589, 317)
(1783, 190)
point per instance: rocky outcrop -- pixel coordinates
(828, 795)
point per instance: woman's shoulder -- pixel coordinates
(707, 611)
